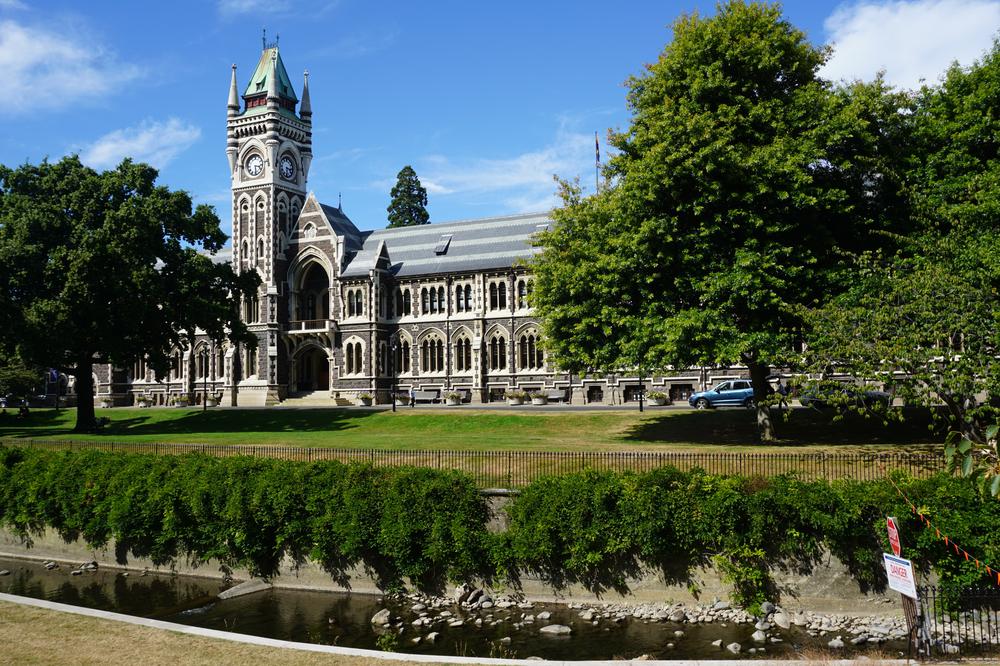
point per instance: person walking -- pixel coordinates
(413, 397)
(782, 391)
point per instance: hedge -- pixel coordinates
(429, 526)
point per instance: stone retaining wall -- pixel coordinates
(829, 588)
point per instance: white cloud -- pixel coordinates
(12, 4)
(912, 40)
(523, 183)
(253, 6)
(156, 143)
(44, 69)
(236, 7)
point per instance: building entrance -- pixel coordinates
(312, 371)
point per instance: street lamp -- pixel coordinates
(392, 370)
(203, 357)
(642, 393)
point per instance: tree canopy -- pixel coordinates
(738, 197)
(104, 267)
(408, 206)
(925, 319)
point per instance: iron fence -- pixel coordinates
(516, 469)
(966, 623)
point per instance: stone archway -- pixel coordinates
(312, 370)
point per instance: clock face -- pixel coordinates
(287, 167)
(255, 165)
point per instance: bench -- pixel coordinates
(557, 395)
(426, 396)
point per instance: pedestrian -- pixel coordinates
(782, 391)
(413, 397)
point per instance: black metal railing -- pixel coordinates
(516, 469)
(965, 623)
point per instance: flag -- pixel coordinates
(597, 149)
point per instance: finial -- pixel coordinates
(340, 202)
(277, 39)
(263, 39)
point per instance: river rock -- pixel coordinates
(759, 636)
(782, 620)
(462, 592)
(544, 615)
(51, 565)
(75, 572)
(678, 634)
(762, 625)
(734, 648)
(432, 637)
(416, 608)
(717, 643)
(416, 640)
(474, 596)
(555, 630)
(4, 572)
(456, 623)
(677, 615)
(587, 615)
(836, 644)
(382, 617)
(767, 608)
(504, 641)
(720, 605)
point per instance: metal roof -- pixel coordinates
(493, 243)
(257, 84)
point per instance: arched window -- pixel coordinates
(260, 216)
(390, 303)
(432, 354)
(381, 358)
(245, 258)
(251, 361)
(502, 296)
(399, 302)
(468, 298)
(493, 296)
(403, 357)
(220, 365)
(349, 358)
(498, 352)
(353, 358)
(433, 299)
(522, 294)
(359, 366)
(350, 303)
(406, 302)
(310, 306)
(441, 307)
(530, 352)
(424, 301)
(260, 250)
(244, 217)
(359, 301)
(459, 301)
(283, 217)
(463, 355)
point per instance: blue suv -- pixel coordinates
(734, 392)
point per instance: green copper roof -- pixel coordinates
(258, 82)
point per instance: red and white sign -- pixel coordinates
(890, 524)
(900, 574)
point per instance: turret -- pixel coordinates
(305, 106)
(234, 96)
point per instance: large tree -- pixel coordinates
(740, 191)
(105, 268)
(408, 206)
(927, 319)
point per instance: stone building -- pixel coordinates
(341, 312)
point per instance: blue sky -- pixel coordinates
(486, 100)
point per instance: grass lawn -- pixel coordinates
(40, 636)
(470, 429)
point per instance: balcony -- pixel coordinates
(312, 326)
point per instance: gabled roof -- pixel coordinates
(494, 243)
(258, 81)
(342, 226)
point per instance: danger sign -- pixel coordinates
(900, 575)
(890, 524)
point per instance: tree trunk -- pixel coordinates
(761, 393)
(85, 419)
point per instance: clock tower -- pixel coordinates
(269, 147)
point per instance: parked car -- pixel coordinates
(845, 396)
(736, 392)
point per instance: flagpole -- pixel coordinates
(597, 165)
